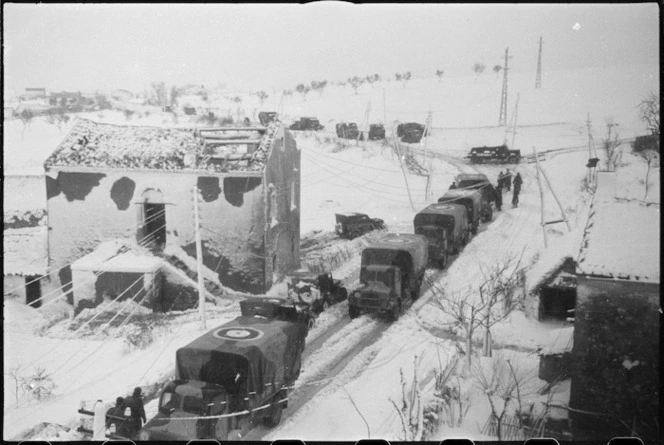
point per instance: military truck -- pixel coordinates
(349, 131)
(284, 309)
(318, 291)
(227, 379)
(411, 132)
(307, 123)
(446, 228)
(472, 199)
(391, 273)
(353, 224)
(376, 132)
(265, 117)
(499, 153)
(479, 181)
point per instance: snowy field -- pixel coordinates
(359, 176)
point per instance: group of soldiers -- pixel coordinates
(505, 182)
(117, 421)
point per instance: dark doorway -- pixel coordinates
(154, 225)
(557, 303)
(33, 291)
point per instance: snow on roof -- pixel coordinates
(118, 256)
(621, 240)
(91, 144)
(552, 259)
(25, 251)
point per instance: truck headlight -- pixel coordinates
(144, 435)
(356, 294)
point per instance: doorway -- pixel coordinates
(154, 225)
(33, 291)
(557, 303)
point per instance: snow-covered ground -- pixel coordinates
(367, 177)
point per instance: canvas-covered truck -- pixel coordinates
(472, 199)
(229, 378)
(353, 224)
(498, 153)
(479, 181)
(446, 228)
(391, 273)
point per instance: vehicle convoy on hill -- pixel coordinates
(318, 291)
(376, 132)
(478, 181)
(411, 132)
(391, 273)
(446, 228)
(349, 131)
(499, 153)
(307, 123)
(351, 225)
(230, 377)
(472, 199)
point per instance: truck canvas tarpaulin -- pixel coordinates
(245, 355)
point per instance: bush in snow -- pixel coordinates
(450, 404)
(411, 409)
(141, 333)
(39, 385)
(649, 113)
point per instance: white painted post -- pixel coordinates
(199, 260)
(562, 212)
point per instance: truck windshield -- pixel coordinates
(171, 401)
(382, 278)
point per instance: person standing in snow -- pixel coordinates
(115, 416)
(501, 180)
(137, 416)
(517, 189)
(508, 179)
(498, 196)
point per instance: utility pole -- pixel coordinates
(516, 111)
(385, 118)
(538, 79)
(427, 129)
(502, 119)
(592, 156)
(405, 176)
(541, 190)
(199, 260)
(563, 218)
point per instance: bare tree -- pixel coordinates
(318, 86)
(57, 117)
(262, 96)
(174, 96)
(303, 90)
(403, 78)
(491, 302)
(611, 144)
(497, 69)
(355, 82)
(411, 409)
(372, 79)
(439, 74)
(504, 385)
(26, 117)
(652, 160)
(287, 93)
(649, 113)
(478, 68)
(160, 95)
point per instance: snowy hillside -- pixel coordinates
(351, 376)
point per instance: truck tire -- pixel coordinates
(353, 311)
(342, 294)
(513, 159)
(274, 411)
(395, 312)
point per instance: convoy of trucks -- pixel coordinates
(446, 228)
(472, 199)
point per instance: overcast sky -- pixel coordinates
(83, 47)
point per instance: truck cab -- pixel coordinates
(391, 273)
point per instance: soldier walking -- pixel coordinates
(517, 189)
(501, 181)
(508, 179)
(498, 196)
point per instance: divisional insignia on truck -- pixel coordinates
(238, 333)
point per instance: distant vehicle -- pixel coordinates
(278, 309)
(391, 274)
(499, 153)
(411, 132)
(265, 117)
(243, 369)
(446, 228)
(349, 131)
(318, 291)
(376, 132)
(189, 111)
(478, 181)
(352, 225)
(307, 123)
(472, 199)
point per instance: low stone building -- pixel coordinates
(107, 182)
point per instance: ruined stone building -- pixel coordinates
(110, 182)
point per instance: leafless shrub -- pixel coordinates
(410, 409)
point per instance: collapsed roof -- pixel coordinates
(96, 145)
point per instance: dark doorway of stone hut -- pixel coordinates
(154, 226)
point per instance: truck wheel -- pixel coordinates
(396, 311)
(342, 294)
(512, 159)
(221, 429)
(274, 412)
(353, 311)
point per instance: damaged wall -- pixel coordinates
(282, 240)
(86, 208)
